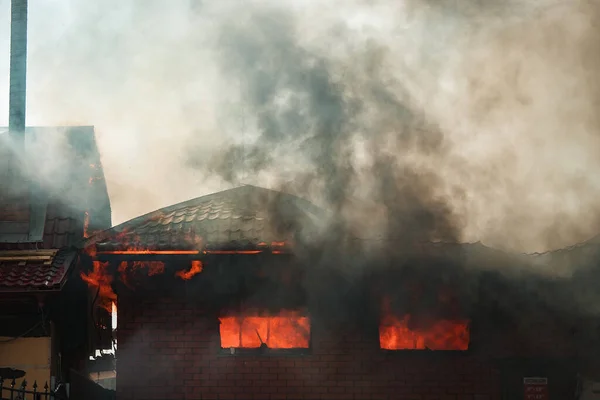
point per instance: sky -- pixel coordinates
(511, 87)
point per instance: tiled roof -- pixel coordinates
(31, 270)
(78, 186)
(63, 227)
(243, 216)
(593, 242)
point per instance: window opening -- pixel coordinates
(406, 333)
(285, 330)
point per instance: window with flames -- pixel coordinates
(408, 331)
(258, 330)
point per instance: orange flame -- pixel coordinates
(395, 334)
(404, 334)
(90, 251)
(286, 330)
(113, 313)
(195, 269)
(86, 225)
(101, 279)
(132, 246)
(233, 252)
(152, 268)
(153, 252)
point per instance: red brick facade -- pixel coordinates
(169, 349)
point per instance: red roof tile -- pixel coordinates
(79, 188)
(28, 270)
(63, 227)
(246, 216)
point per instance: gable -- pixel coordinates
(62, 174)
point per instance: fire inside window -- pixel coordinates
(286, 330)
(409, 333)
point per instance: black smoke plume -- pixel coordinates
(347, 128)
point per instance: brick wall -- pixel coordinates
(169, 349)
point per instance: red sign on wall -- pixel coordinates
(536, 388)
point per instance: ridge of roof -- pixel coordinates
(592, 241)
(299, 202)
(317, 212)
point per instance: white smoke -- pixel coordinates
(512, 86)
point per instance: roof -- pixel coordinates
(242, 216)
(35, 270)
(57, 203)
(63, 227)
(63, 189)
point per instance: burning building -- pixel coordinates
(47, 208)
(239, 294)
(42, 297)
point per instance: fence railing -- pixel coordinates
(21, 392)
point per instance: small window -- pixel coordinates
(404, 331)
(400, 334)
(285, 330)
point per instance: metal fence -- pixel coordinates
(10, 391)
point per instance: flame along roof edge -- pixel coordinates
(319, 213)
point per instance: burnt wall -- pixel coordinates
(169, 342)
(170, 348)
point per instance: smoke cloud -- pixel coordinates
(443, 120)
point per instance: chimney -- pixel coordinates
(18, 71)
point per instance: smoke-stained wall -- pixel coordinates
(173, 336)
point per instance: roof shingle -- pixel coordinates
(77, 186)
(246, 216)
(28, 270)
(63, 227)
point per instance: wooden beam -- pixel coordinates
(26, 258)
(28, 253)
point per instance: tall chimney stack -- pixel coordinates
(18, 71)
